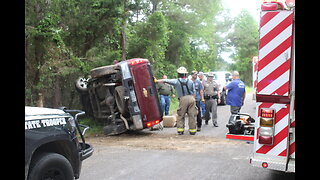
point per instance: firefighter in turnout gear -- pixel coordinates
(187, 103)
(211, 95)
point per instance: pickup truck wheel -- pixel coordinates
(50, 166)
(81, 85)
(122, 104)
(104, 70)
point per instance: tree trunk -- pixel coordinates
(123, 42)
(56, 99)
(123, 37)
(40, 100)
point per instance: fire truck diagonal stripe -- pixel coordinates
(275, 31)
(273, 64)
(273, 74)
(275, 42)
(274, 53)
(277, 139)
(279, 148)
(276, 84)
(266, 17)
(281, 114)
(292, 148)
(283, 90)
(281, 123)
(272, 23)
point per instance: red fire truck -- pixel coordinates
(274, 139)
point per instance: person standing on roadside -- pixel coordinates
(211, 95)
(236, 93)
(199, 96)
(187, 104)
(165, 90)
(203, 79)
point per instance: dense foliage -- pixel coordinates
(65, 39)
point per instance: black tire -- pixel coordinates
(50, 166)
(223, 100)
(122, 104)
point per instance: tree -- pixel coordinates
(244, 39)
(66, 39)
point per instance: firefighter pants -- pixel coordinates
(187, 104)
(211, 106)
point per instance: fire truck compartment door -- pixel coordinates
(275, 50)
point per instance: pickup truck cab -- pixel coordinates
(52, 149)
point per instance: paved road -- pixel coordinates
(166, 155)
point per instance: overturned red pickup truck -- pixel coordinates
(123, 96)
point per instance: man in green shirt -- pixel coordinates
(165, 90)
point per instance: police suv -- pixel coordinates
(52, 149)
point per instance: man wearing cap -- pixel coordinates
(186, 95)
(203, 79)
(211, 95)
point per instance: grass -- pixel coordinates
(249, 89)
(174, 105)
(96, 128)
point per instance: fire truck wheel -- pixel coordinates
(122, 103)
(50, 166)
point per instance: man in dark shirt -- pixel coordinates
(199, 96)
(165, 90)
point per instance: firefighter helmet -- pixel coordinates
(182, 70)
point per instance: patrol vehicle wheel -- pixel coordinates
(50, 166)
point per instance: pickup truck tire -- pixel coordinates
(81, 85)
(104, 70)
(50, 166)
(122, 103)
